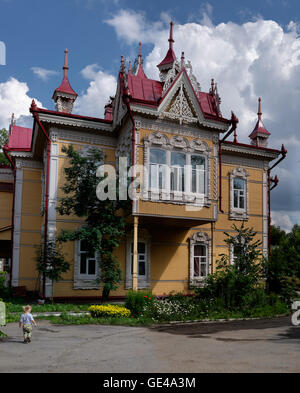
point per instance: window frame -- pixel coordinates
(203, 239)
(85, 281)
(238, 213)
(195, 147)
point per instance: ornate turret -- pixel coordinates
(259, 136)
(170, 57)
(64, 96)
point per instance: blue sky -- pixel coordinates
(36, 32)
(250, 47)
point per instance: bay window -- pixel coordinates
(177, 172)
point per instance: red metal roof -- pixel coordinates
(149, 91)
(169, 59)
(65, 87)
(144, 89)
(20, 138)
(259, 129)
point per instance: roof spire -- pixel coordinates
(140, 59)
(182, 59)
(170, 58)
(259, 113)
(171, 40)
(139, 70)
(129, 67)
(65, 67)
(64, 96)
(259, 136)
(212, 84)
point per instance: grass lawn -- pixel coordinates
(14, 309)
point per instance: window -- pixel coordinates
(238, 193)
(161, 161)
(87, 260)
(178, 169)
(239, 201)
(198, 174)
(157, 169)
(141, 258)
(200, 258)
(178, 161)
(200, 261)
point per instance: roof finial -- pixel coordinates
(65, 67)
(259, 113)
(212, 85)
(129, 67)
(122, 64)
(171, 41)
(182, 59)
(140, 53)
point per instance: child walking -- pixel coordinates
(26, 320)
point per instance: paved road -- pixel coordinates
(271, 345)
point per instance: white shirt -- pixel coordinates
(26, 318)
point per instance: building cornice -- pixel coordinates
(258, 152)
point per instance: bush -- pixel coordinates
(4, 291)
(139, 301)
(173, 309)
(108, 311)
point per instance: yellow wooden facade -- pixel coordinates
(168, 229)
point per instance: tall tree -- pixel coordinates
(282, 269)
(104, 226)
(3, 141)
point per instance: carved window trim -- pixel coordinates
(238, 213)
(203, 239)
(181, 144)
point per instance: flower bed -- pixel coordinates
(108, 311)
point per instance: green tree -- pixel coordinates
(277, 235)
(3, 141)
(282, 269)
(104, 226)
(234, 282)
(51, 262)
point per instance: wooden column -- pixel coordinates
(135, 254)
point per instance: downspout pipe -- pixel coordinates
(234, 121)
(275, 181)
(33, 110)
(5, 151)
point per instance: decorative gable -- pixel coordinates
(180, 102)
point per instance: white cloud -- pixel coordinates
(42, 73)
(103, 85)
(285, 219)
(257, 58)
(90, 71)
(14, 99)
